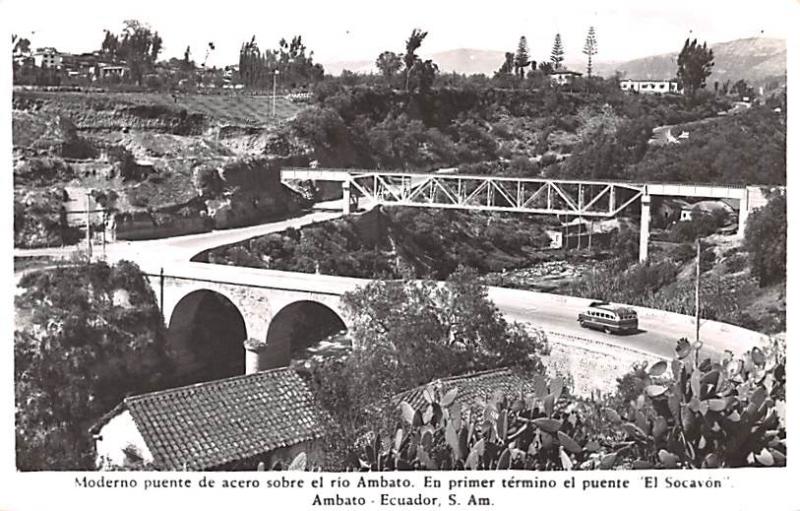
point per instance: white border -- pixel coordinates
(774, 489)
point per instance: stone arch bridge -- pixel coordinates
(211, 310)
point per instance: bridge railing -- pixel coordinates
(621, 182)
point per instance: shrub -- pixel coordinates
(765, 240)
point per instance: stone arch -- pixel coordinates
(205, 337)
(297, 326)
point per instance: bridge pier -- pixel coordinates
(644, 228)
(255, 356)
(744, 211)
(346, 197)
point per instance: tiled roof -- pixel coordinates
(472, 387)
(210, 424)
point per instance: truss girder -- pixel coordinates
(542, 196)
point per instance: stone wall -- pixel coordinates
(143, 225)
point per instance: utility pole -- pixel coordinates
(274, 89)
(88, 226)
(161, 292)
(697, 296)
(105, 220)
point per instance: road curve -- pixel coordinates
(658, 330)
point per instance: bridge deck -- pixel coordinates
(699, 190)
(566, 197)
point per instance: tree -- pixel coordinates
(557, 55)
(409, 333)
(590, 49)
(694, 66)
(410, 58)
(21, 45)
(765, 240)
(138, 45)
(187, 63)
(95, 335)
(295, 67)
(389, 63)
(521, 58)
(423, 74)
(508, 65)
(743, 90)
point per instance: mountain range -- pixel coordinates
(755, 59)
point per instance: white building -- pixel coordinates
(564, 76)
(47, 57)
(229, 424)
(650, 86)
(105, 71)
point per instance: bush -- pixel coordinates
(701, 225)
(765, 240)
(67, 376)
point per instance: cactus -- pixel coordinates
(713, 414)
(506, 431)
(703, 415)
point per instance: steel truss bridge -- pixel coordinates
(569, 198)
(486, 193)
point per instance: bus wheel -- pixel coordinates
(583, 325)
(606, 330)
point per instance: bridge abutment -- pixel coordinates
(644, 228)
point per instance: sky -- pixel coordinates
(349, 30)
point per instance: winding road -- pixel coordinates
(553, 313)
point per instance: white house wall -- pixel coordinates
(117, 434)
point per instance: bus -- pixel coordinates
(609, 318)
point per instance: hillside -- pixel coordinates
(755, 60)
(166, 165)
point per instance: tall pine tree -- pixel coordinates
(521, 59)
(590, 49)
(557, 55)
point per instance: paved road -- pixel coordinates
(549, 312)
(656, 336)
(181, 248)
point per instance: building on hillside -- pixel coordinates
(564, 76)
(47, 57)
(472, 388)
(668, 210)
(650, 86)
(111, 71)
(229, 424)
(710, 207)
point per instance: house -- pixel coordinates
(106, 71)
(709, 207)
(229, 424)
(564, 76)
(472, 387)
(650, 86)
(667, 210)
(47, 57)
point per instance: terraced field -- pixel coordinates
(237, 109)
(240, 109)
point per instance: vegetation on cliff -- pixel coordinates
(397, 243)
(85, 337)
